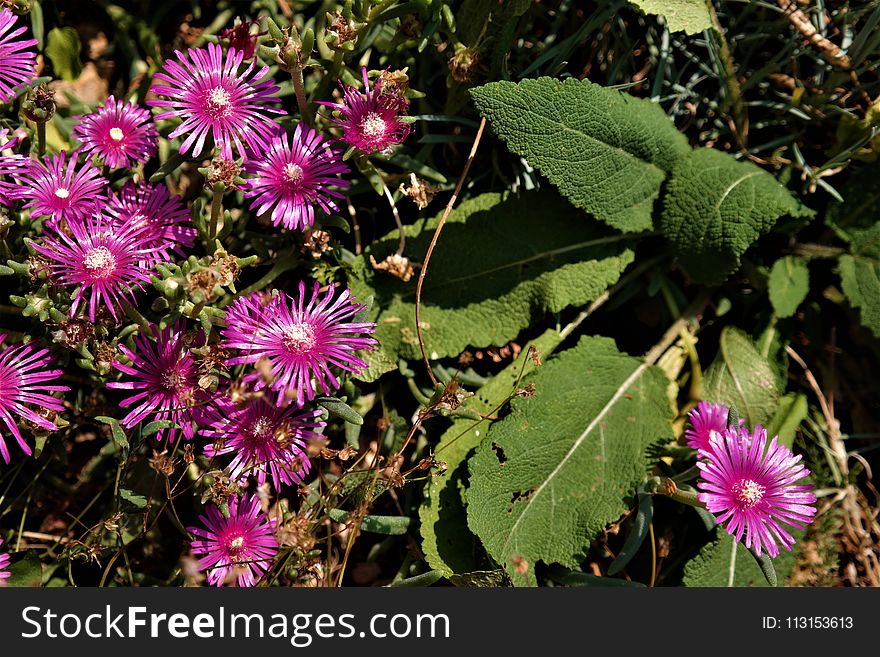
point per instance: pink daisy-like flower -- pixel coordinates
(706, 420)
(4, 564)
(291, 178)
(243, 544)
(55, 187)
(102, 262)
(19, 63)
(752, 488)
(160, 217)
(370, 120)
(301, 341)
(10, 165)
(214, 98)
(264, 439)
(120, 133)
(166, 381)
(23, 377)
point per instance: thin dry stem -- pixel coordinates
(424, 269)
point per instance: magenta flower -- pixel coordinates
(120, 133)
(160, 217)
(290, 179)
(242, 544)
(303, 343)
(102, 262)
(166, 378)
(19, 63)
(54, 187)
(706, 420)
(4, 564)
(23, 377)
(752, 488)
(371, 121)
(214, 98)
(10, 165)
(264, 439)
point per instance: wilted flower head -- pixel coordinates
(19, 62)
(706, 420)
(242, 544)
(301, 341)
(215, 99)
(751, 488)
(263, 439)
(163, 220)
(166, 378)
(102, 262)
(56, 188)
(241, 38)
(120, 133)
(23, 377)
(370, 120)
(291, 178)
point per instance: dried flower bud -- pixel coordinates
(420, 191)
(397, 265)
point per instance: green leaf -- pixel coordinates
(340, 409)
(138, 501)
(791, 410)
(491, 275)
(608, 152)
(716, 207)
(62, 49)
(788, 285)
(115, 431)
(26, 570)
(741, 377)
(860, 275)
(688, 16)
(447, 542)
(724, 562)
(568, 577)
(564, 463)
(393, 525)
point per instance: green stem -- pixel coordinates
(41, 138)
(216, 212)
(299, 87)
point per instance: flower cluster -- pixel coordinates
(752, 488)
(104, 231)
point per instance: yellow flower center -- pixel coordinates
(99, 262)
(748, 492)
(116, 134)
(299, 338)
(373, 126)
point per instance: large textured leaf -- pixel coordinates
(741, 377)
(688, 16)
(716, 207)
(448, 544)
(606, 151)
(860, 275)
(788, 285)
(566, 462)
(726, 563)
(502, 262)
